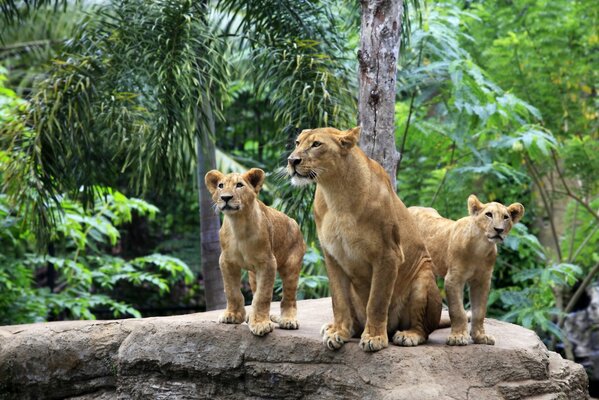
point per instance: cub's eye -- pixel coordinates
(220, 186)
(316, 144)
(490, 215)
(506, 216)
(239, 185)
(296, 143)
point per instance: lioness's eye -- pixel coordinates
(316, 144)
(297, 143)
(239, 184)
(506, 216)
(490, 215)
(220, 186)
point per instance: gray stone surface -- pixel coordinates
(193, 357)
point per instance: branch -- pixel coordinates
(587, 280)
(568, 191)
(405, 132)
(453, 146)
(535, 176)
(584, 242)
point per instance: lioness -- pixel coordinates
(260, 239)
(380, 273)
(464, 251)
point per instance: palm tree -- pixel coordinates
(138, 84)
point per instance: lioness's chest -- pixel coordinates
(343, 238)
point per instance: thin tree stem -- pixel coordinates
(584, 242)
(586, 281)
(544, 198)
(405, 132)
(453, 146)
(573, 234)
(567, 188)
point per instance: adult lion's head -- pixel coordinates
(495, 219)
(232, 192)
(317, 153)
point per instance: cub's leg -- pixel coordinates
(235, 312)
(374, 337)
(337, 333)
(424, 309)
(290, 276)
(252, 279)
(259, 319)
(479, 294)
(454, 288)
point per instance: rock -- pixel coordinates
(581, 329)
(192, 356)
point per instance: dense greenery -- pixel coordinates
(493, 98)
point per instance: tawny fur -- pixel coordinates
(262, 240)
(464, 252)
(380, 273)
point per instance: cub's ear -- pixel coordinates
(211, 179)
(516, 211)
(474, 205)
(255, 177)
(350, 137)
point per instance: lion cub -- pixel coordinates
(464, 251)
(260, 239)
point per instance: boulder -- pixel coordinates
(193, 357)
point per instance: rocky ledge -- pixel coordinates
(192, 356)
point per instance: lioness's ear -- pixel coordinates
(474, 205)
(350, 137)
(255, 177)
(516, 211)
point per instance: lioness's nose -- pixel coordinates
(226, 198)
(498, 230)
(293, 161)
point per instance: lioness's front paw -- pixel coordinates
(285, 323)
(458, 339)
(408, 338)
(373, 343)
(483, 339)
(229, 317)
(261, 328)
(331, 338)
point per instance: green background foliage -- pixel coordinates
(103, 105)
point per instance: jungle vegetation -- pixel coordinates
(110, 111)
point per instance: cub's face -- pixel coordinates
(233, 192)
(495, 219)
(317, 153)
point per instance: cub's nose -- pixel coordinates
(226, 198)
(293, 161)
(498, 230)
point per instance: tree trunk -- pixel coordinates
(379, 49)
(209, 220)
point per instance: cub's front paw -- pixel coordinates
(332, 338)
(229, 317)
(285, 323)
(373, 343)
(408, 338)
(483, 339)
(458, 339)
(261, 328)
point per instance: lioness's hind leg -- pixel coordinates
(424, 309)
(290, 277)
